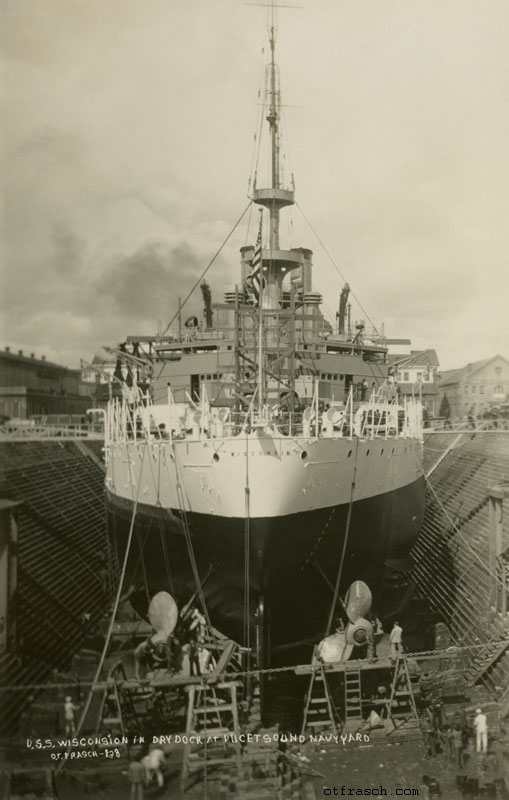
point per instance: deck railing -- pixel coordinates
(13, 431)
(463, 426)
(126, 421)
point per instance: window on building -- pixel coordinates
(474, 389)
(406, 377)
(498, 370)
(498, 391)
(481, 389)
(465, 388)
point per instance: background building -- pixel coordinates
(31, 386)
(476, 388)
(417, 376)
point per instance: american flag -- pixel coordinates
(255, 277)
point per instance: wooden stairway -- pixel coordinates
(320, 714)
(212, 715)
(401, 706)
(485, 659)
(353, 696)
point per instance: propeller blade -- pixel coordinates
(332, 647)
(347, 652)
(163, 613)
(358, 601)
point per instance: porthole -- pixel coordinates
(349, 454)
(303, 455)
(367, 452)
(215, 457)
(393, 451)
(382, 451)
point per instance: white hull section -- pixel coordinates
(285, 475)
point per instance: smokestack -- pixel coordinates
(20, 352)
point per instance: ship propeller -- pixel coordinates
(339, 646)
(163, 614)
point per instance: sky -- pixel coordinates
(128, 146)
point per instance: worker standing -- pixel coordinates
(69, 709)
(152, 765)
(481, 730)
(396, 641)
(194, 657)
(137, 779)
(456, 744)
(197, 625)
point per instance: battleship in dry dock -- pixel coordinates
(267, 458)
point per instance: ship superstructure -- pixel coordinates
(263, 446)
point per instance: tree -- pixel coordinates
(445, 408)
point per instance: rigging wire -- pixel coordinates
(422, 654)
(114, 610)
(208, 266)
(262, 92)
(187, 534)
(345, 542)
(247, 561)
(337, 269)
(455, 528)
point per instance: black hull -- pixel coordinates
(294, 559)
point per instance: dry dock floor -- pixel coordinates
(396, 767)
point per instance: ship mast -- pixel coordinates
(276, 263)
(273, 120)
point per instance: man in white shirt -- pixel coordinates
(481, 730)
(152, 763)
(395, 640)
(69, 709)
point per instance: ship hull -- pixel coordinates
(294, 558)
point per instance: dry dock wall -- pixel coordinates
(64, 571)
(460, 561)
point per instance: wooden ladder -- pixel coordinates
(319, 711)
(118, 711)
(110, 713)
(212, 715)
(401, 705)
(353, 696)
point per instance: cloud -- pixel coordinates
(128, 137)
(143, 285)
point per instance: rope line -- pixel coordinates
(345, 542)
(187, 534)
(455, 528)
(337, 269)
(450, 652)
(114, 611)
(208, 266)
